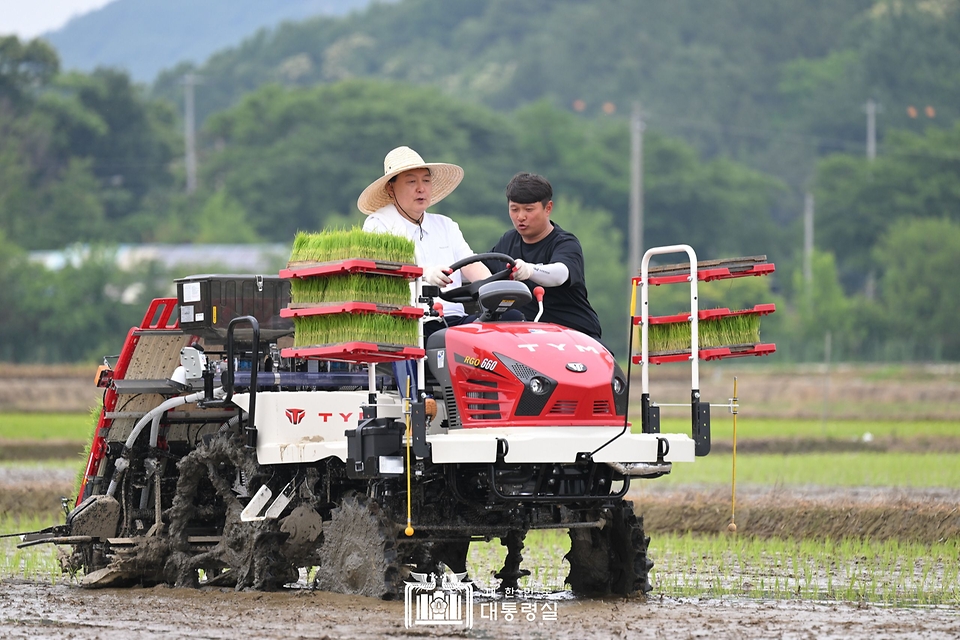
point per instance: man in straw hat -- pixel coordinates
(397, 203)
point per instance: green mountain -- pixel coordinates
(145, 36)
(775, 83)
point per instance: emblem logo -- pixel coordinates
(449, 603)
(295, 415)
(576, 367)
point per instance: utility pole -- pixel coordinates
(808, 241)
(870, 285)
(871, 109)
(636, 189)
(189, 138)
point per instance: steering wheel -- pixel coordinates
(470, 292)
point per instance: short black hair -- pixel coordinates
(527, 188)
(394, 178)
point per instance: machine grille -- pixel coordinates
(564, 408)
(450, 401)
(485, 405)
(522, 371)
(601, 407)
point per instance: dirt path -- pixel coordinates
(36, 610)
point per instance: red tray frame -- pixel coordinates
(710, 314)
(353, 265)
(355, 352)
(713, 353)
(409, 313)
(710, 274)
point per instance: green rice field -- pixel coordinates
(895, 572)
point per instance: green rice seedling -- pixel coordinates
(37, 563)
(895, 572)
(731, 330)
(542, 555)
(94, 418)
(350, 327)
(351, 287)
(343, 244)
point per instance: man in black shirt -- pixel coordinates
(546, 255)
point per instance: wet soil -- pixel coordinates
(40, 610)
(819, 513)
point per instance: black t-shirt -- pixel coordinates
(566, 305)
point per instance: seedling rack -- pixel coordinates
(354, 351)
(693, 273)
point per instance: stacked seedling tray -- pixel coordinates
(350, 308)
(722, 333)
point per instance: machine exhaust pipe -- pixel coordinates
(642, 469)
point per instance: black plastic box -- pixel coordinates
(209, 302)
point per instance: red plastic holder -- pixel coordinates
(710, 274)
(352, 265)
(710, 314)
(711, 353)
(355, 352)
(407, 313)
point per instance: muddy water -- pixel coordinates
(40, 610)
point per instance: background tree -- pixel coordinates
(920, 284)
(858, 201)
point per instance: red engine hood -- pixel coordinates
(492, 365)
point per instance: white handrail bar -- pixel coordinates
(645, 313)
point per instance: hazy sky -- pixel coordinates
(30, 18)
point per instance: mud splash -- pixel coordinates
(38, 610)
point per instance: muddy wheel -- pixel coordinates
(612, 560)
(359, 555)
(248, 555)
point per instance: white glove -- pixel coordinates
(437, 275)
(522, 270)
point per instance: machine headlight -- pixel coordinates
(538, 386)
(617, 386)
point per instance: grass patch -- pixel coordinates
(542, 556)
(44, 426)
(892, 572)
(823, 469)
(36, 563)
(675, 336)
(348, 327)
(343, 244)
(351, 287)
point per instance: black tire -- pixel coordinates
(612, 560)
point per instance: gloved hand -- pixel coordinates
(522, 270)
(437, 275)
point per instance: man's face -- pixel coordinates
(412, 191)
(532, 221)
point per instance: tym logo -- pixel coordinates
(559, 347)
(295, 415)
(343, 416)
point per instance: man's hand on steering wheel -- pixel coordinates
(470, 292)
(437, 275)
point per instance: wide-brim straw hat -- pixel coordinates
(444, 178)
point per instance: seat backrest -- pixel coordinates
(498, 297)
